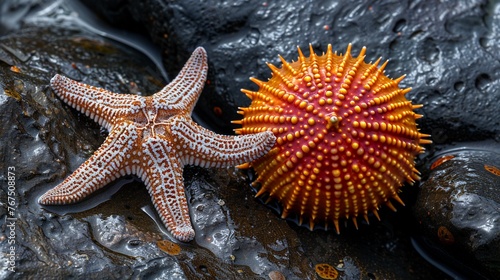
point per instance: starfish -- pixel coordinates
(152, 137)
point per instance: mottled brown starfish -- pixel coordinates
(152, 137)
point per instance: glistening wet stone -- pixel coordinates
(458, 207)
(44, 140)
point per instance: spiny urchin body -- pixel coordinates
(346, 137)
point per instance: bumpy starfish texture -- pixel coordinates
(152, 137)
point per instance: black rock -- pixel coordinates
(448, 50)
(458, 208)
(43, 140)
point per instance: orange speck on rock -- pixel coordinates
(276, 275)
(346, 137)
(15, 69)
(445, 236)
(441, 160)
(169, 247)
(492, 169)
(217, 111)
(326, 271)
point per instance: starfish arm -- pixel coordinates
(197, 145)
(101, 105)
(162, 176)
(183, 92)
(104, 166)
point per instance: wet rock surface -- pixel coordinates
(458, 208)
(449, 51)
(43, 140)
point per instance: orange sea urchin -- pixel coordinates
(346, 137)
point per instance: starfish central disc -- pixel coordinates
(346, 136)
